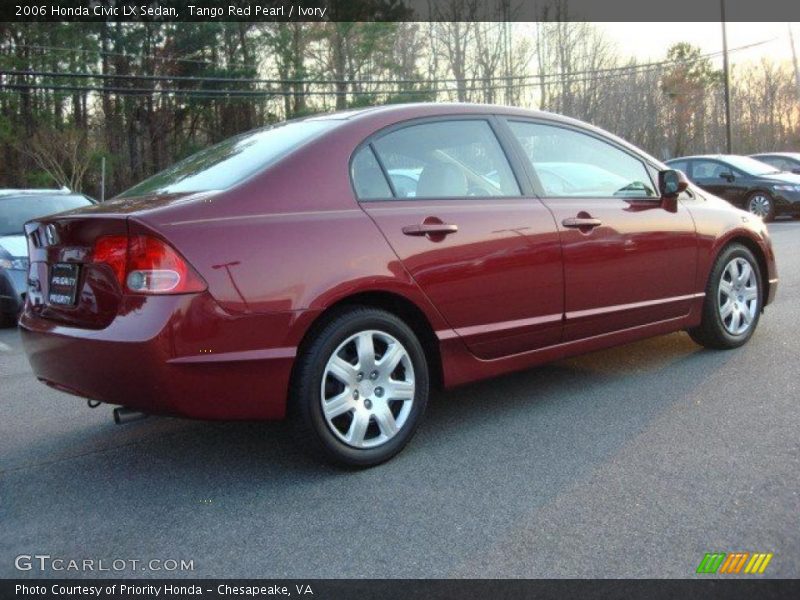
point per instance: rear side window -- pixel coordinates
(368, 179)
(232, 161)
(572, 164)
(446, 159)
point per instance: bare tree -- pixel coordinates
(64, 154)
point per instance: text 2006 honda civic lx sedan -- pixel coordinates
(337, 268)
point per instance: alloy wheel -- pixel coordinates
(760, 205)
(737, 297)
(367, 389)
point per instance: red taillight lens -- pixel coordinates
(147, 265)
(113, 251)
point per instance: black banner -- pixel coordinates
(333, 589)
(397, 10)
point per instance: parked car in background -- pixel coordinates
(17, 207)
(285, 271)
(788, 162)
(745, 182)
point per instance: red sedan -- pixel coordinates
(337, 268)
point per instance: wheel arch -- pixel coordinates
(763, 191)
(758, 252)
(399, 306)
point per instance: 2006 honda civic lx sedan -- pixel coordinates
(285, 271)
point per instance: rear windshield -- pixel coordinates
(16, 211)
(232, 161)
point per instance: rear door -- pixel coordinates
(478, 243)
(629, 259)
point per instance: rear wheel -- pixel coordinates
(761, 205)
(360, 387)
(733, 300)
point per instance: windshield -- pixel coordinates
(750, 166)
(16, 211)
(232, 161)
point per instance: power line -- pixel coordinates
(207, 92)
(474, 79)
(124, 91)
(112, 53)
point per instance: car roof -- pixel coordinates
(786, 154)
(433, 109)
(701, 156)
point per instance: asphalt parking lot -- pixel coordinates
(630, 462)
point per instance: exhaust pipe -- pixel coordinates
(123, 414)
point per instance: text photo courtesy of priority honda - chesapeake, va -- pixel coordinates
(399, 299)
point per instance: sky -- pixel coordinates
(651, 40)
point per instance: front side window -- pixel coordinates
(446, 159)
(573, 164)
(711, 169)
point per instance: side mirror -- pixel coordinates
(796, 170)
(671, 183)
(727, 175)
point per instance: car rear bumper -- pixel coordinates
(174, 355)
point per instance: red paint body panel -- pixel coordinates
(638, 267)
(509, 290)
(498, 281)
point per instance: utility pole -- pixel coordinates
(507, 48)
(794, 59)
(102, 179)
(726, 68)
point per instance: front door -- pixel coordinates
(720, 179)
(629, 260)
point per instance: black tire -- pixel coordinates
(712, 331)
(312, 429)
(8, 320)
(770, 215)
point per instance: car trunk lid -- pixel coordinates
(63, 283)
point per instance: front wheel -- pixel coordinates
(733, 300)
(761, 205)
(360, 387)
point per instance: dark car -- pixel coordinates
(788, 162)
(17, 207)
(745, 182)
(285, 272)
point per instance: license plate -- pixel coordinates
(63, 288)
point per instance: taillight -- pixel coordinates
(113, 251)
(146, 265)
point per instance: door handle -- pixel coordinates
(581, 222)
(430, 229)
